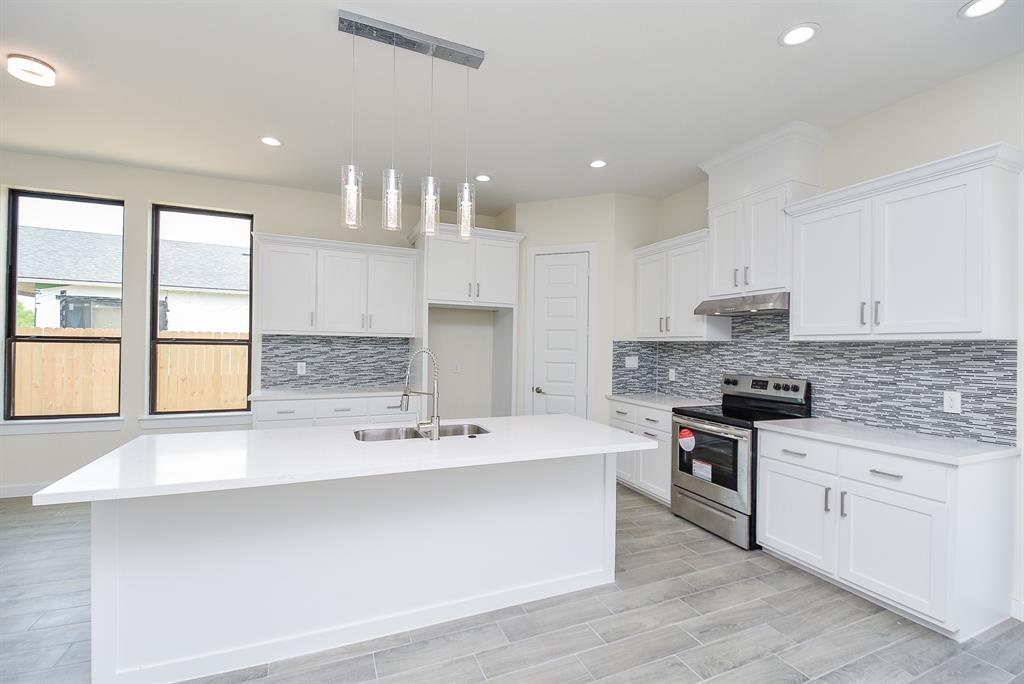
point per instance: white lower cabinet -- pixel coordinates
(649, 472)
(354, 410)
(931, 539)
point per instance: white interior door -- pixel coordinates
(560, 312)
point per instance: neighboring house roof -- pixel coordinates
(50, 255)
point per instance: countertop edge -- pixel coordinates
(659, 405)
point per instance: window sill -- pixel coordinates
(58, 425)
(167, 421)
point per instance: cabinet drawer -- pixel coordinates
(383, 406)
(895, 472)
(277, 424)
(809, 453)
(626, 412)
(650, 418)
(652, 433)
(341, 408)
(284, 410)
(622, 425)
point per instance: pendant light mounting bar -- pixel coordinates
(407, 39)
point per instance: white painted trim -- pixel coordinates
(798, 129)
(1018, 585)
(591, 249)
(181, 420)
(20, 490)
(320, 243)
(61, 425)
(683, 240)
(1017, 609)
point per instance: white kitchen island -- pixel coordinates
(219, 550)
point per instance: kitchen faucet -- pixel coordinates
(434, 423)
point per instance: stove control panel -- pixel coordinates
(786, 389)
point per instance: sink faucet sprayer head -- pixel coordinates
(405, 402)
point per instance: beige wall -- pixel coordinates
(463, 341)
(43, 458)
(683, 212)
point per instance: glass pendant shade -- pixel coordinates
(467, 210)
(352, 197)
(430, 204)
(391, 201)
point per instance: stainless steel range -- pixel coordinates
(713, 452)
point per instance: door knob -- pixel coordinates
(538, 390)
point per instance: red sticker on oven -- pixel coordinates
(686, 439)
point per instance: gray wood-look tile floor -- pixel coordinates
(685, 607)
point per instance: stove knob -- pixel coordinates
(785, 388)
(777, 386)
(796, 388)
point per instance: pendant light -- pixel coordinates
(430, 187)
(351, 176)
(466, 197)
(391, 198)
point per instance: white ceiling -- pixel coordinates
(653, 87)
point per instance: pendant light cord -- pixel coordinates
(430, 163)
(467, 124)
(353, 150)
(394, 95)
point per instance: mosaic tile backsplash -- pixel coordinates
(886, 384)
(333, 361)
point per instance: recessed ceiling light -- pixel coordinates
(270, 140)
(979, 8)
(598, 164)
(799, 34)
(483, 178)
(31, 70)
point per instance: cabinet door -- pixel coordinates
(625, 461)
(287, 288)
(832, 271)
(497, 271)
(391, 295)
(766, 245)
(796, 512)
(654, 467)
(341, 291)
(651, 292)
(450, 269)
(895, 545)
(726, 249)
(687, 287)
(927, 246)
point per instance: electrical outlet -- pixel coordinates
(671, 373)
(632, 362)
(300, 368)
(455, 368)
(951, 402)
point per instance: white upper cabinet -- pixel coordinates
(323, 287)
(766, 246)
(482, 270)
(927, 253)
(726, 247)
(671, 280)
(287, 287)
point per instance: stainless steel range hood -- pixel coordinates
(742, 306)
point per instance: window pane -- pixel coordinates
(66, 378)
(68, 267)
(201, 377)
(204, 275)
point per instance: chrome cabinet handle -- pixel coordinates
(828, 490)
(735, 277)
(650, 434)
(746, 275)
(362, 321)
(863, 313)
(652, 420)
(882, 473)
(661, 324)
(469, 289)
(310, 319)
(842, 504)
(878, 320)
(798, 454)
(369, 319)
(667, 326)
(621, 413)
(284, 413)
(478, 289)
(341, 410)
(396, 406)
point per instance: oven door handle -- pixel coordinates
(735, 434)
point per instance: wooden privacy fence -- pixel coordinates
(55, 378)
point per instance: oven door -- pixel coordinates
(713, 461)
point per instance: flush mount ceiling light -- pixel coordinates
(270, 141)
(799, 34)
(979, 8)
(598, 164)
(483, 178)
(31, 70)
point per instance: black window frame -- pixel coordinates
(155, 341)
(11, 338)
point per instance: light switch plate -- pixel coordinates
(671, 373)
(632, 362)
(951, 402)
(300, 368)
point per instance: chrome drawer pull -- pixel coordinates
(661, 324)
(282, 413)
(341, 410)
(828, 490)
(651, 434)
(746, 275)
(798, 454)
(878, 320)
(882, 473)
(863, 314)
(652, 420)
(397, 406)
(621, 413)
(842, 504)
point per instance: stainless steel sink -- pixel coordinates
(462, 430)
(386, 434)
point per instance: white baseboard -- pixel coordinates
(1017, 610)
(17, 491)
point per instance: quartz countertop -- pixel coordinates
(949, 451)
(279, 393)
(182, 463)
(661, 402)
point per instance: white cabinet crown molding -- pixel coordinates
(320, 243)
(450, 229)
(797, 129)
(683, 240)
(999, 154)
